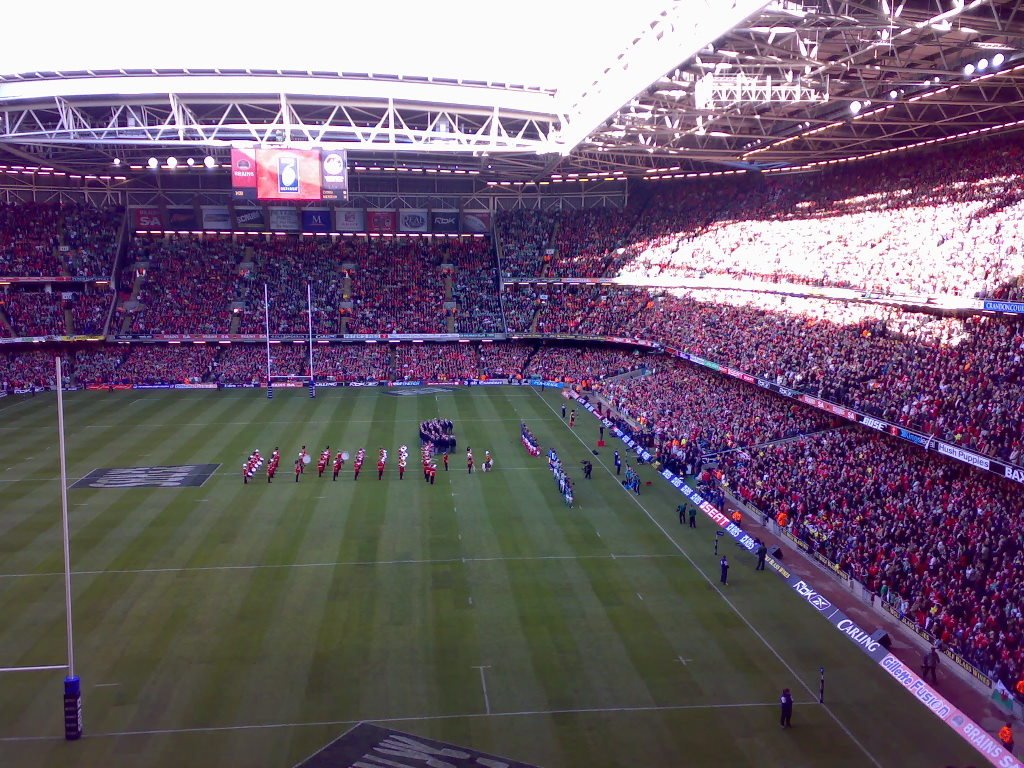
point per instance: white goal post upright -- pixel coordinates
(72, 685)
(309, 309)
(266, 325)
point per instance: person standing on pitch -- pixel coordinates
(563, 411)
(693, 517)
(1006, 736)
(602, 431)
(930, 665)
(588, 468)
(762, 552)
(618, 463)
(786, 707)
(446, 461)
(725, 570)
(681, 509)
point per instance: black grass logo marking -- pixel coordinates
(182, 476)
(370, 746)
(415, 391)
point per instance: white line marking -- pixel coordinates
(107, 685)
(412, 719)
(42, 668)
(639, 595)
(598, 534)
(483, 684)
(728, 602)
(471, 601)
(335, 564)
(682, 661)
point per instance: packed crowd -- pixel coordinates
(247, 363)
(50, 240)
(475, 289)
(935, 223)
(692, 413)
(397, 287)
(199, 304)
(287, 265)
(524, 236)
(145, 364)
(434, 362)
(34, 313)
(89, 311)
(584, 366)
(959, 379)
(591, 242)
(939, 540)
(27, 369)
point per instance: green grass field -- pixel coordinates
(234, 625)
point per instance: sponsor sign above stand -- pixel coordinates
(147, 218)
(413, 220)
(382, 221)
(216, 217)
(1016, 307)
(45, 339)
(968, 730)
(248, 337)
(350, 220)
(250, 218)
(443, 222)
(317, 221)
(476, 222)
(284, 219)
(182, 218)
(64, 279)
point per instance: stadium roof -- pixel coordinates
(645, 88)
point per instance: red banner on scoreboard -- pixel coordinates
(288, 174)
(243, 172)
(382, 221)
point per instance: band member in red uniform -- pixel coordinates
(469, 461)
(321, 465)
(298, 469)
(432, 472)
(338, 464)
(401, 469)
(380, 469)
(446, 461)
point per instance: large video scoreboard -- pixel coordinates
(297, 175)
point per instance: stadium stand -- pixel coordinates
(32, 235)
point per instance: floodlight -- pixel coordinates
(117, 161)
(172, 162)
(893, 94)
(998, 59)
(855, 107)
(982, 65)
(209, 161)
(969, 70)
(153, 162)
(191, 161)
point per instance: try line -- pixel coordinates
(410, 719)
